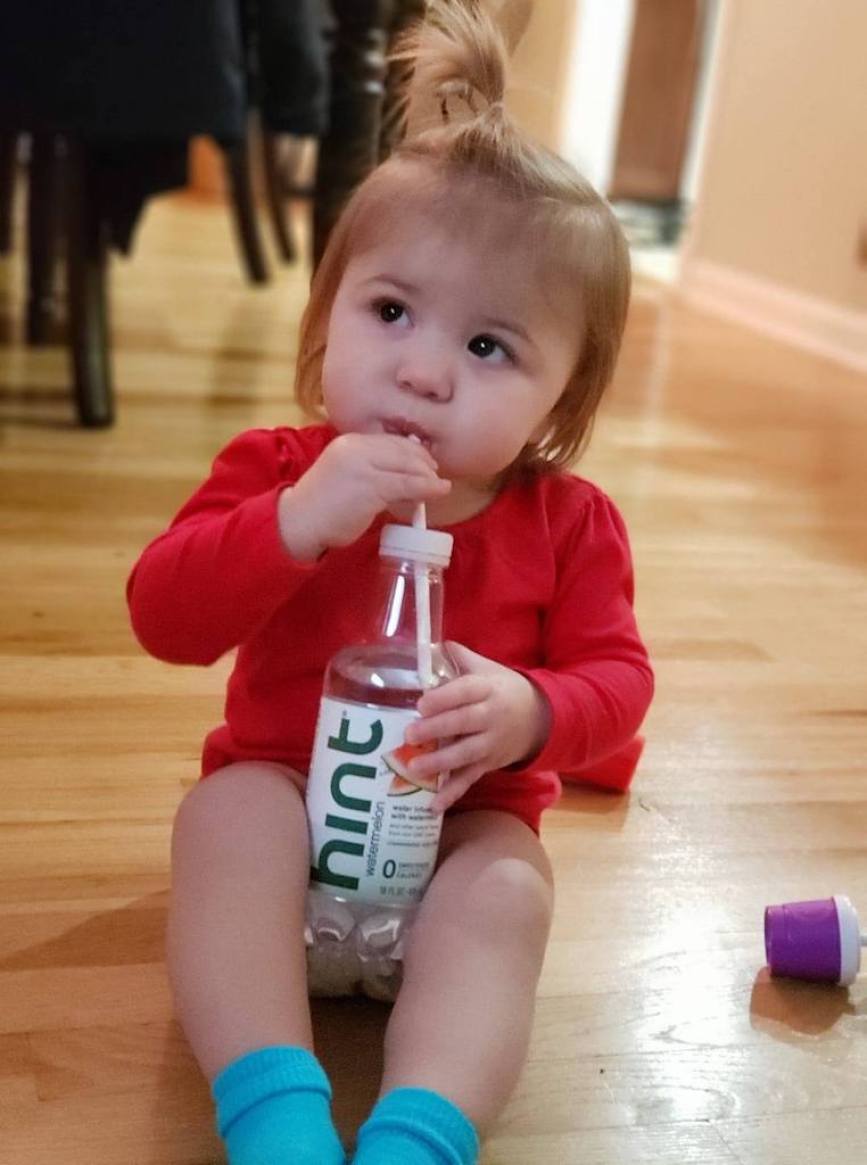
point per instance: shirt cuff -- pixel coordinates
(564, 721)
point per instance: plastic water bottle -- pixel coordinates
(373, 835)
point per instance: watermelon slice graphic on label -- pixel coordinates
(404, 781)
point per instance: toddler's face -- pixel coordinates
(453, 341)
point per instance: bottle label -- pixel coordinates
(373, 835)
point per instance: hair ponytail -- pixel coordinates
(456, 52)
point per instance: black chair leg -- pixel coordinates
(276, 198)
(244, 211)
(350, 147)
(86, 269)
(43, 192)
(8, 153)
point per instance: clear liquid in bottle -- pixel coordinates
(374, 837)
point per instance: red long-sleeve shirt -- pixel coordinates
(540, 581)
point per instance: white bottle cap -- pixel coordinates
(431, 546)
(850, 940)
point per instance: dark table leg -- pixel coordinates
(237, 160)
(43, 222)
(86, 271)
(276, 196)
(8, 149)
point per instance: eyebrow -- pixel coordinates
(508, 326)
(400, 284)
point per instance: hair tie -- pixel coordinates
(460, 89)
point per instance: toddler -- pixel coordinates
(472, 297)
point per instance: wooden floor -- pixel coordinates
(659, 1038)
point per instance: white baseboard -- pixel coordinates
(802, 320)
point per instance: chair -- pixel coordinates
(172, 72)
(8, 156)
(362, 126)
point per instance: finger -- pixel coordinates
(461, 721)
(470, 662)
(463, 690)
(454, 787)
(395, 450)
(397, 486)
(398, 455)
(424, 488)
(397, 460)
(452, 756)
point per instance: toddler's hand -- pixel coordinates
(487, 718)
(356, 477)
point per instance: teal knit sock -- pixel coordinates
(416, 1127)
(274, 1107)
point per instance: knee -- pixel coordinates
(513, 898)
(235, 801)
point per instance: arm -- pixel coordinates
(587, 701)
(597, 677)
(255, 531)
(221, 568)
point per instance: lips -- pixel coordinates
(401, 427)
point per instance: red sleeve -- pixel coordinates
(220, 570)
(597, 679)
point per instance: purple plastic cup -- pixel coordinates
(818, 940)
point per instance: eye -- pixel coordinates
(486, 347)
(389, 311)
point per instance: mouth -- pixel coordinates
(401, 427)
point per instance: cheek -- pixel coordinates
(338, 360)
(329, 374)
(349, 386)
(336, 383)
(492, 440)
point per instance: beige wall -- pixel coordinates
(783, 186)
(538, 75)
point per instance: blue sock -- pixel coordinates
(416, 1127)
(274, 1106)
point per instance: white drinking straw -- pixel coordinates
(422, 600)
(422, 607)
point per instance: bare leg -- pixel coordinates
(462, 1021)
(240, 866)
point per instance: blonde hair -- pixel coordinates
(459, 53)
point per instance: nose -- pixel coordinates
(426, 373)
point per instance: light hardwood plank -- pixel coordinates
(659, 1038)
